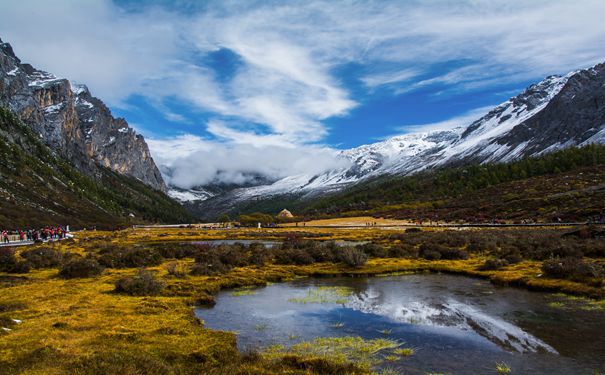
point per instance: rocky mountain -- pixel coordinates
(73, 123)
(558, 112)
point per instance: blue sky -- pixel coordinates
(302, 78)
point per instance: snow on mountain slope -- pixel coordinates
(558, 112)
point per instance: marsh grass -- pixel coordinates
(325, 294)
(366, 353)
(404, 352)
(243, 292)
(557, 305)
(502, 368)
(78, 325)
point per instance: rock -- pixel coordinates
(73, 123)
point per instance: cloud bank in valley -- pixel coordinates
(190, 161)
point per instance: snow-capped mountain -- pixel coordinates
(560, 111)
(73, 123)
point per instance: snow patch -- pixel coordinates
(189, 195)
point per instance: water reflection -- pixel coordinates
(455, 324)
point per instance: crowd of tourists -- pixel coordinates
(44, 234)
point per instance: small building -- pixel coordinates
(285, 214)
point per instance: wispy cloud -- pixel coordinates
(462, 120)
(286, 82)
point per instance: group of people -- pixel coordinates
(44, 234)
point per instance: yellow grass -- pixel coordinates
(81, 326)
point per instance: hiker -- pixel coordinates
(5, 237)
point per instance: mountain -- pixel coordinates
(558, 112)
(78, 126)
(66, 160)
(39, 187)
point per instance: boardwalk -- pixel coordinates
(25, 243)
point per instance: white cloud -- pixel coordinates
(289, 51)
(286, 84)
(189, 161)
(387, 78)
(462, 120)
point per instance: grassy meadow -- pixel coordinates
(122, 302)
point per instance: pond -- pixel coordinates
(453, 324)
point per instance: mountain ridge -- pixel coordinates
(73, 123)
(555, 113)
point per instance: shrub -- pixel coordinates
(449, 253)
(373, 250)
(143, 283)
(321, 252)
(403, 251)
(513, 258)
(119, 257)
(431, 255)
(81, 267)
(431, 251)
(352, 256)
(208, 263)
(571, 268)
(293, 256)
(176, 269)
(413, 230)
(259, 255)
(179, 251)
(43, 257)
(493, 264)
(233, 255)
(9, 262)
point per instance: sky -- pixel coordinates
(227, 90)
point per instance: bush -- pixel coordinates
(322, 252)
(431, 255)
(513, 258)
(43, 257)
(449, 253)
(119, 257)
(571, 268)
(9, 262)
(293, 256)
(431, 251)
(208, 263)
(143, 283)
(259, 255)
(373, 250)
(82, 267)
(403, 251)
(179, 251)
(233, 255)
(176, 269)
(493, 264)
(352, 256)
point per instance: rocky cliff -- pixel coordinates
(73, 123)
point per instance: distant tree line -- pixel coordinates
(451, 182)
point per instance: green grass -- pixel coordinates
(502, 368)
(325, 294)
(404, 352)
(365, 353)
